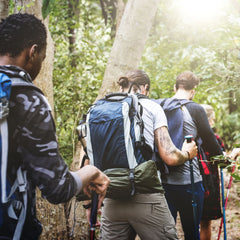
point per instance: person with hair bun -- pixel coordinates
(145, 214)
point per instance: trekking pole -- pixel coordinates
(194, 202)
(223, 205)
(93, 217)
(226, 200)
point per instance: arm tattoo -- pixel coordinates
(163, 140)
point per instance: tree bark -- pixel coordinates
(120, 11)
(4, 6)
(73, 14)
(129, 42)
(112, 10)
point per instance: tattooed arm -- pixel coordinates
(167, 150)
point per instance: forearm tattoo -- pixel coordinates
(164, 142)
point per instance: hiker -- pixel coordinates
(145, 214)
(177, 182)
(32, 134)
(211, 203)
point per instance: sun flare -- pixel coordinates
(201, 10)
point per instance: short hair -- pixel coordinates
(187, 80)
(134, 78)
(20, 31)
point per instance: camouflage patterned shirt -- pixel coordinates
(33, 145)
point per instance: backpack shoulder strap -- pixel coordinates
(5, 90)
(21, 180)
(16, 205)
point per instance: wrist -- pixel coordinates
(188, 155)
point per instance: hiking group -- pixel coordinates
(141, 167)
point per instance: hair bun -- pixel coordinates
(123, 82)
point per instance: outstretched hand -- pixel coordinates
(98, 185)
(94, 180)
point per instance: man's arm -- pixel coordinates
(167, 150)
(38, 149)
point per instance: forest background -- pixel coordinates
(83, 32)
(210, 47)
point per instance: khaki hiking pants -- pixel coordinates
(145, 214)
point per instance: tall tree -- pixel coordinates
(112, 11)
(130, 40)
(120, 10)
(72, 19)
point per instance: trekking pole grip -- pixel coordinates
(189, 138)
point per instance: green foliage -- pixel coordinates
(76, 87)
(11, 7)
(210, 50)
(47, 7)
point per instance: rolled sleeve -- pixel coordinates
(78, 181)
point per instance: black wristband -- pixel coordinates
(87, 206)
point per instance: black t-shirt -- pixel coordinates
(204, 130)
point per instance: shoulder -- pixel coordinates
(29, 97)
(150, 103)
(151, 106)
(194, 107)
(27, 104)
(154, 112)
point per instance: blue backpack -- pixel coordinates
(114, 133)
(173, 109)
(10, 206)
(174, 113)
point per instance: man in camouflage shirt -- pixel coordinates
(32, 134)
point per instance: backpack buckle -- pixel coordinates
(131, 178)
(22, 180)
(22, 187)
(4, 109)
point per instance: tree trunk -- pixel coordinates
(44, 78)
(72, 18)
(4, 5)
(120, 11)
(129, 42)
